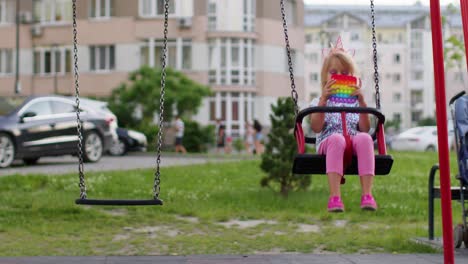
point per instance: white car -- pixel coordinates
(129, 140)
(101, 107)
(422, 138)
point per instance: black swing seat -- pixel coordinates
(305, 163)
(118, 202)
(316, 164)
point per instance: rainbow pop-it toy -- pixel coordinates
(343, 89)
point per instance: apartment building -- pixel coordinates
(404, 47)
(235, 47)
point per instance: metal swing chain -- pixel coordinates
(157, 175)
(294, 95)
(376, 68)
(82, 183)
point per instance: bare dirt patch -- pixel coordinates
(246, 224)
(306, 228)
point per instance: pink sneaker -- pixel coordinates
(335, 204)
(368, 203)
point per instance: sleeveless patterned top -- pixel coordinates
(333, 121)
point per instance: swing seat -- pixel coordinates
(118, 202)
(316, 163)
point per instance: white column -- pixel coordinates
(218, 105)
(178, 53)
(228, 113)
(217, 54)
(249, 107)
(53, 65)
(250, 57)
(107, 52)
(228, 61)
(178, 8)
(151, 52)
(42, 61)
(241, 102)
(3, 59)
(242, 68)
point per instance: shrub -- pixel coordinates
(196, 137)
(280, 151)
(238, 144)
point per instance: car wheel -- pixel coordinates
(430, 148)
(30, 161)
(92, 148)
(119, 148)
(7, 150)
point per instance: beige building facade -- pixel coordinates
(235, 47)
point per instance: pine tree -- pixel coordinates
(280, 150)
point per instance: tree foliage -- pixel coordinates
(428, 121)
(141, 94)
(280, 151)
(454, 48)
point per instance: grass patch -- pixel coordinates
(215, 209)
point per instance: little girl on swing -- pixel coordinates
(330, 139)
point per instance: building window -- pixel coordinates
(102, 58)
(396, 78)
(186, 54)
(416, 57)
(397, 117)
(52, 60)
(458, 76)
(101, 8)
(6, 61)
(231, 61)
(313, 57)
(416, 116)
(212, 16)
(290, 9)
(355, 36)
(154, 8)
(179, 53)
(52, 11)
(6, 12)
(248, 14)
(396, 97)
(309, 37)
(416, 97)
(396, 58)
(246, 21)
(313, 77)
(416, 75)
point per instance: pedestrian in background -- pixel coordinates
(258, 137)
(249, 137)
(220, 135)
(179, 126)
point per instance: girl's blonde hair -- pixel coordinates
(344, 58)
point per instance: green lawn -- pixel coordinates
(214, 209)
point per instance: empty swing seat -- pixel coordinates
(305, 163)
(118, 202)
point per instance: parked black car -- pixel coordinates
(129, 140)
(46, 126)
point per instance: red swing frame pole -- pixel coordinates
(441, 110)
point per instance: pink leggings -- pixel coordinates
(363, 147)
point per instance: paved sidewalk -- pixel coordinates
(252, 259)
